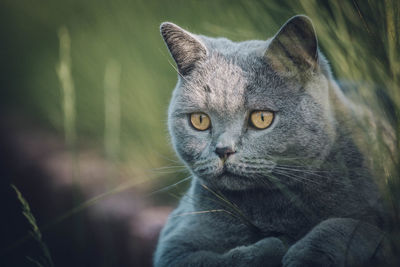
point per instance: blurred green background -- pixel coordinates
(97, 75)
(351, 34)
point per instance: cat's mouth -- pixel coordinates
(228, 172)
(231, 175)
(229, 179)
(234, 172)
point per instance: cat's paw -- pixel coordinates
(301, 254)
(267, 252)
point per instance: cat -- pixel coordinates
(278, 176)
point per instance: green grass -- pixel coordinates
(45, 259)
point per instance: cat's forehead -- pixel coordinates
(227, 84)
(218, 85)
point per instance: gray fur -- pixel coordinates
(292, 194)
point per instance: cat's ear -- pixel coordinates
(185, 48)
(294, 49)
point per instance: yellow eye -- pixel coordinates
(261, 119)
(200, 121)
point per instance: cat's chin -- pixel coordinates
(229, 176)
(230, 181)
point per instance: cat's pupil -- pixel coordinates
(262, 116)
(201, 118)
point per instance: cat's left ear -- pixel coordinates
(294, 49)
(185, 48)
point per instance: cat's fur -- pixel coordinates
(298, 193)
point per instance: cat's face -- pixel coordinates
(228, 83)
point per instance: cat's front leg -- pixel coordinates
(338, 242)
(267, 252)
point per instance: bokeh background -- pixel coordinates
(84, 90)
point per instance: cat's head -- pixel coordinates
(242, 113)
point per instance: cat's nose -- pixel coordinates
(224, 152)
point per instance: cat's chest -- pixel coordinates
(276, 215)
(260, 215)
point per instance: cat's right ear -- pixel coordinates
(185, 48)
(294, 49)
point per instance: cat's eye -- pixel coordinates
(200, 121)
(261, 119)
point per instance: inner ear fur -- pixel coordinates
(294, 49)
(185, 48)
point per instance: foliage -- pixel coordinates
(44, 260)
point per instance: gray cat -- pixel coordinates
(279, 177)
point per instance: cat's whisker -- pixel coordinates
(286, 158)
(166, 188)
(169, 167)
(278, 182)
(170, 159)
(263, 161)
(305, 171)
(201, 212)
(194, 200)
(173, 66)
(274, 180)
(294, 198)
(295, 177)
(170, 171)
(235, 208)
(307, 167)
